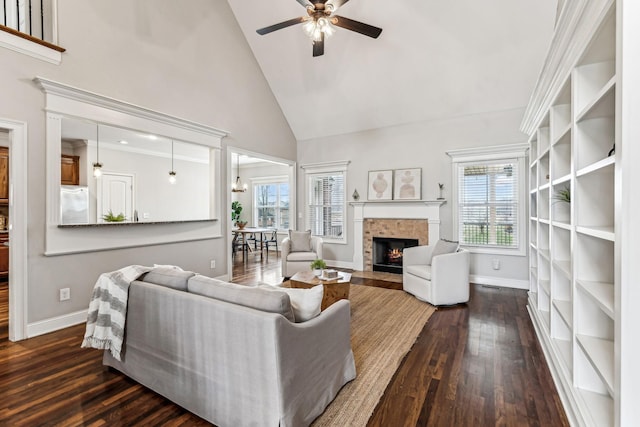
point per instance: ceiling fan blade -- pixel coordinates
(281, 25)
(318, 46)
(358, 27)
(304, 3)
(337, 3)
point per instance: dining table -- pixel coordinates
(245, 232)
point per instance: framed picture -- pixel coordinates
(380, 185)
(407, 184)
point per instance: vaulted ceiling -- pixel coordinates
(434, 59)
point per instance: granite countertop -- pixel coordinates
(123, 224)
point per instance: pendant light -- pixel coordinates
(172, 173)
(97, 166)
(237, 186)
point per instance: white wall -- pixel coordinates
(191, 62)
(418, 145)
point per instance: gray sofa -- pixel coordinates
(234, 357)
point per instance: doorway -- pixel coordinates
(265, 188)
(14, 134)
(115, 195)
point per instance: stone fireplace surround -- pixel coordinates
(394, 219)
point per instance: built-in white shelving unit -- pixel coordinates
(576, 293)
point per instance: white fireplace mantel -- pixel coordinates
(415, 209)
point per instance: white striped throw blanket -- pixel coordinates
(108, 309)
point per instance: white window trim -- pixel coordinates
(488, 154)
(280, 179)
(35, 50)
(323, 169)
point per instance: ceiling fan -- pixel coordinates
(319, 23)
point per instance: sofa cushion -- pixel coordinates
(444, 247)
(300, 240)
(247, 296)
(306, 303)
(169, 277)
(423, 271)
(302, 256)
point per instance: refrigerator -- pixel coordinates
(74, 204)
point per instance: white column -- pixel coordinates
(358, 226)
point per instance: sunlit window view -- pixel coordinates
(272, 205)
(488, 203)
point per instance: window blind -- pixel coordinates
(326, 204)
(488, 204)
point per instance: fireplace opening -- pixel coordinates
(387, 253)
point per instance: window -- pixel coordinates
(326, 201)
(488, 204)
(271, 203)
(489, 201)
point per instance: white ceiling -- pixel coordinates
(434, 59)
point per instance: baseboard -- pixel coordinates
(339, 264)
(499, 282)
(56, 323)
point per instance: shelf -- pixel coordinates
(544, 315)
(562, 179)
(600, 354)
(544, 220)
(601, 293)
(534, 191)
(562, 225)
(564, 266)
(545, 186)
(545, 285)
(564, 348)
(601, 164)
(533, 246)
(600, 407)
(602, 105)
(534, 272)
(545, 254)
(564, 136)
(606, 233)
(566, 311)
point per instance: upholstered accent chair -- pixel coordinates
(437, 274)
(298, 250)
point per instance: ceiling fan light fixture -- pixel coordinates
(315, 28)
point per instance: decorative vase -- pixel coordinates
(317, 272)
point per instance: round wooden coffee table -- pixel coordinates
(333, 289)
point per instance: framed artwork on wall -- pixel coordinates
(407, 184)
(380, 185)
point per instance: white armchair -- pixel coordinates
(296, 261)
(438, 280)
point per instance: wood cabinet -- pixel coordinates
(69, 170)
(579, 283)
(4, 176)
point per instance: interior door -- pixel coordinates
(115, 194)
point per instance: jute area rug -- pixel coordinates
(384, 325)
(378, 275)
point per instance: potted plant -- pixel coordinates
(563, 195)
(110, 217)
(317, 266)
(236, 210)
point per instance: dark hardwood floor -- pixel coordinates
(473, 365)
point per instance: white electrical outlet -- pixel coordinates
(496, 264)
(65, 294)
(213, 264)
(145, 215)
